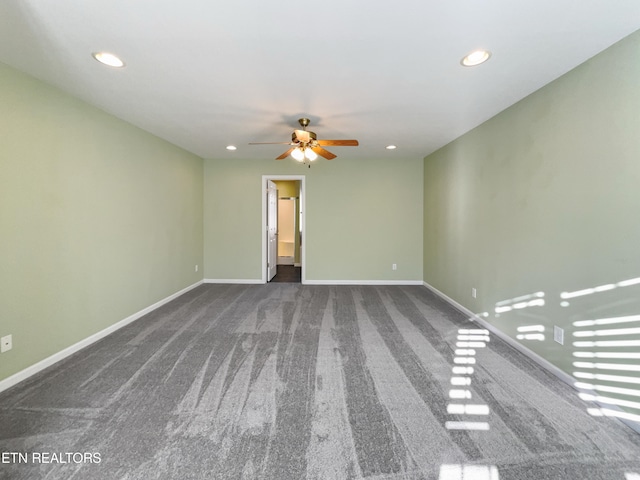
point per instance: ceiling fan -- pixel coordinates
(306, 147)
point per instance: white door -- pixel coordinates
(272, 230)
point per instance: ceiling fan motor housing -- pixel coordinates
(295, 139)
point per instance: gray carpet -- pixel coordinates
(287, 382)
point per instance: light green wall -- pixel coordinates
(287, 188)
(98, 220)
(545, 197)
(361, 216)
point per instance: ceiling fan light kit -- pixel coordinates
(297, 154)
(305, 146)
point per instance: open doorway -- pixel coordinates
(283, 241)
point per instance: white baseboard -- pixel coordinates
(62, 354)
(363, 282)
(561, 374)
(233, 280)
(297, 265)
(318, 282)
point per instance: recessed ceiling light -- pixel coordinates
(390, 147)
(476, 58)
(108, 59)
(231, 147)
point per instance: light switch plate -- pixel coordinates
(558, 334)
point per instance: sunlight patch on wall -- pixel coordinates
(531, 332)
(597, 379)
(607, 321)
(600, 288)
(607, 412)
(624, 355)
(518, 303)
(606, 378)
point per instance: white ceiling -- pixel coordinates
(204, 73)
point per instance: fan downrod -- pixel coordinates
(304, 122)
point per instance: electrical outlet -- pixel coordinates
(6, 343)
(394, 266)
(196, 268)
(558, 334)
(474, 293)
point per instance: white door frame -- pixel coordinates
(303, 221)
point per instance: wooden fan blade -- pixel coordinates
(338, 143)
(271, 143)
(285, 154)
(324, 153)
